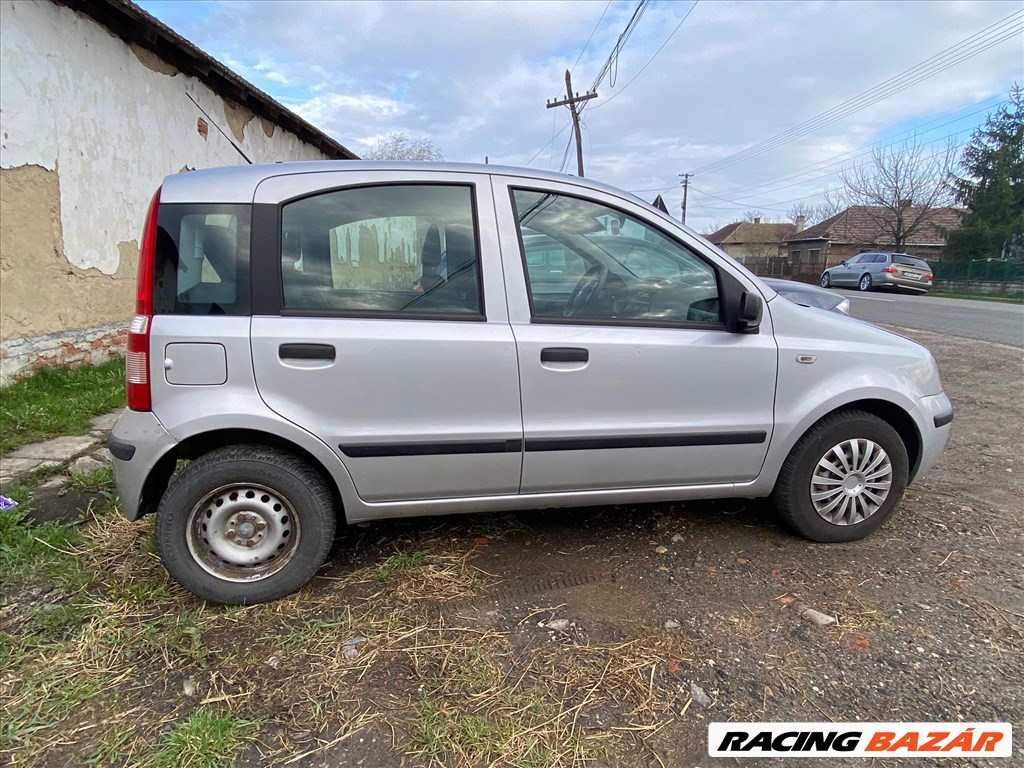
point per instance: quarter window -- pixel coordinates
(587, 261)
(408, 249)
(202, 260)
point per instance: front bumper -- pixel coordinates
(933, 416)
(137, 442)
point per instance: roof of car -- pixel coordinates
(237, 183)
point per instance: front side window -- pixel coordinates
(408, 249)
(587, 261)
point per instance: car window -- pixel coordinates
(202, 258)
(617, 268)
(910, 261)
(407, 249)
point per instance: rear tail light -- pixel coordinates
(928, 278)
(890, 270)
(137, 360)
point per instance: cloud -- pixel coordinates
(474, 78)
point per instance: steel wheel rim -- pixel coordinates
(243, 532)
(824, 281)
(865, 283)
(851, 482)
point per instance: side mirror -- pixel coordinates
(742, 309)
(842, 263)
(750, 310)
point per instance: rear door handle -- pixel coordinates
(306, 352)
(564, 355)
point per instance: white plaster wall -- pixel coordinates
(75, 99)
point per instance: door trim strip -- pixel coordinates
(541, 444)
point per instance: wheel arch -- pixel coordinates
(899, 420)
(201, 443)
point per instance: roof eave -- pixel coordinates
(133, 25)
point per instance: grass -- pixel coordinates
(28, 550)
(114, 664)
(58, 401)
(101, 480)
(399, 563)
(208, 738)
(1006, 298)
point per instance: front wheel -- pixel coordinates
(826, 281)
(865, 283)
(245, 524)
(843, 478)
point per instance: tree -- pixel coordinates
(993, 186)
(832, 202)
(904, 188)
(398, 146)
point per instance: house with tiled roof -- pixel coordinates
(759, 246)
(869, 228)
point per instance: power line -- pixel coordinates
(594, 30)
(989, 104)
(979, 42)
(638, 13)
(862, 151)
(645, 66)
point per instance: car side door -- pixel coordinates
(634, 381)
(379, 325)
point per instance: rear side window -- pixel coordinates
(407, 249)
(202, 260)
(910, 261)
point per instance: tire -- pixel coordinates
(277, 509)
(862, 501)
(826, 280)
(865, 283)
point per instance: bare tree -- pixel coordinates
(398, 146)
(903, 186)
(832, 202)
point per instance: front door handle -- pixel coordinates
(306, 352)
(564, 355)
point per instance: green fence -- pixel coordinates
(995, 270)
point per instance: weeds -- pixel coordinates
(206, 739)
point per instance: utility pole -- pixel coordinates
(686, 188)
(571, 102)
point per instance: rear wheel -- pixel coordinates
(843, 478)
(245, 524)
(865, 283)
(826, 281)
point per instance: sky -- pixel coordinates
(761, 102)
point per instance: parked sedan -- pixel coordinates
(880, 270)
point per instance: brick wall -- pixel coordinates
(88, 346)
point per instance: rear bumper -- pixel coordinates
(933, 416)
(137, 442)
(906, 283)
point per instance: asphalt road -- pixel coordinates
(980, 320)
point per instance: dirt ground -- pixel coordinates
(428, 641)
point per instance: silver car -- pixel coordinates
(880, 270)
(318, 344)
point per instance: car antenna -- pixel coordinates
(660, 204)
(214, 122)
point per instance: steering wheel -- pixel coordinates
(589, 286)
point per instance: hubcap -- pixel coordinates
(242, 532)
(851, 482)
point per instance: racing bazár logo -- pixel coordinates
(860, 739)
